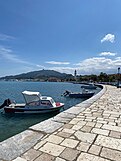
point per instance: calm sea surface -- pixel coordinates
(11, 124)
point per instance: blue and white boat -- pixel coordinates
(89, 86)
(34, 103)
(84, 94)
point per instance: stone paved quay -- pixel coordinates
(89, 131)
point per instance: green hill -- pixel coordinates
(42, 74)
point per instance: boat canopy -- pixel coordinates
(30, 96)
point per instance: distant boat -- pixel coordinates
(84, 94)
(34, 103)
(89, 86)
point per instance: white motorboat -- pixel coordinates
(89, 86)
(34, 103)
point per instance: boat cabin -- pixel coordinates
(35, 99)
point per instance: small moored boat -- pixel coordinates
(34, 103)
(84, 94)
(89, 86)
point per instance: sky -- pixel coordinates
(61, 35)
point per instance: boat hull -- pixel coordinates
(89, 87)
(32, 110)
(80, 95)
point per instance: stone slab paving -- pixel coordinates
(47, 126)
(89, 131)
(14, 146)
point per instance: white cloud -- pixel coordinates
(93, 65)
(68, 70)
(107, 54)
(4, 37)
(117, 61)
(96, 65)
(57, 63)
(7, 54)
(40, 66)
(108, 37)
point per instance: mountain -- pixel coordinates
(41, 74)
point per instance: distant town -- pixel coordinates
(54, 76)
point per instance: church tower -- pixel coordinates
(75, 75)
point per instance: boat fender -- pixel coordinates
(57, 103)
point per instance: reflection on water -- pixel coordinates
(11, 124)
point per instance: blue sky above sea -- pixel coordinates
(61, 35)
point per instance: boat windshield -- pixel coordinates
(31, 96)
(52, 101)
(45, 102)
(91, 84)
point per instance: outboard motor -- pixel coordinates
(66, 93)
(7, 102)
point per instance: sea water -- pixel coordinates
(11, 124)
